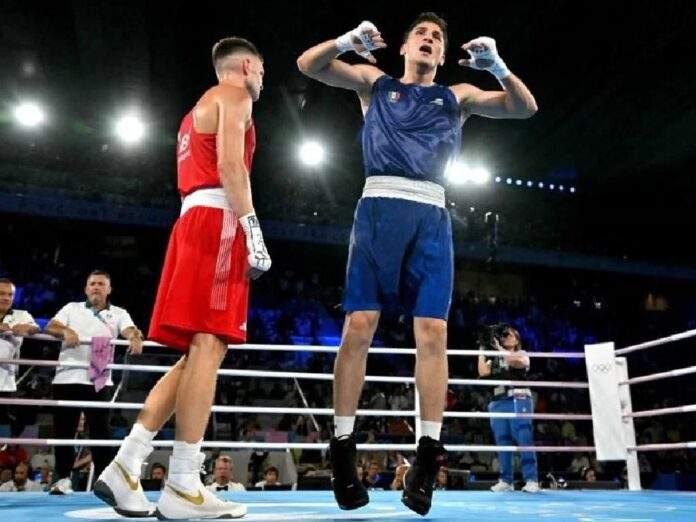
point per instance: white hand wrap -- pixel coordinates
(486, 58)
(257, 254)
(347, 41)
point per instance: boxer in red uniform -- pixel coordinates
(215, 247)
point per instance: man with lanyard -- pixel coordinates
(401, 250)
(14, 325)
(94, 318)
(506, 399)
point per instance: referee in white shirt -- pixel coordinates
(14, 325)
(96, 317)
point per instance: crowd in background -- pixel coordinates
(295, 304)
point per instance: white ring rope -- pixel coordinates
(662, 375)
(360, 447)
(665, 446)
(333, 349)
(302, 375)
(386, 413)
(295, 411)
(296, 445)
(657, 342)
(690, 408)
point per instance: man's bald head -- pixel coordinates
(232, 47)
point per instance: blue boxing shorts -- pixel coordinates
(401, 256)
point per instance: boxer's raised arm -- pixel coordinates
(320, 63)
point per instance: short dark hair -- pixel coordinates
(5, 281)
(429, 16)
(98, 272)
(157, 465)
(271, 469)
(231, 45)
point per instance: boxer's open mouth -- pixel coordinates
(426, 49)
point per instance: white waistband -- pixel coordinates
(404, 188)
(210, 197)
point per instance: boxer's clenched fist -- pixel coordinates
(484, 57)
(363, 39)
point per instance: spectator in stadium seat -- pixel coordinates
(21, 480)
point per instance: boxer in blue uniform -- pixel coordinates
(401, 244)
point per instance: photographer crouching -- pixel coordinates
(506, 399)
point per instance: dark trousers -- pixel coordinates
(65, 425)
(18, 417)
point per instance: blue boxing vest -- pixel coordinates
(410, 130)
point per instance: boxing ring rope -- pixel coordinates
(663, 411)
(332, 349)
(383, 413)
(657, 342)
(295, 411)
(299, 445)
(661, 375)
(301, 375)
(360, 447)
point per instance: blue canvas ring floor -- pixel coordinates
(581, 506)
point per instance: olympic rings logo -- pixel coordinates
(601, 368)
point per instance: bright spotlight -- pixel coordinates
(508, 181)
(572, 190)
(479, 175)
(561, 188)
(541, 184)
(29, 114)
(457, 172)
(497, 179)
(518, 182)
(312, 153)
(529, 183)
(130, 128)
(552, 186)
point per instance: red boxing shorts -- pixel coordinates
(203, 287)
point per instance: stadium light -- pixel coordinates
(456, 172)
(311, 153)
(479, 175)
(130, 128)
(29, 114)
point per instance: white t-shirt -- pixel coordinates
(231, 486)
(30, 485)
(9, 348)
(81, 317)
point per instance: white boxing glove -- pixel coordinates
(258, 258)
(359, 40)
(485, 57)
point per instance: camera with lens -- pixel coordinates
(488, 335)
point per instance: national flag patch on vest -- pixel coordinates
(394, 96)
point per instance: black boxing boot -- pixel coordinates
(420, 477)
(347, 487)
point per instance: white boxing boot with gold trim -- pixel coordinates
(122, 491)
(184, 496)
(119, 484)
